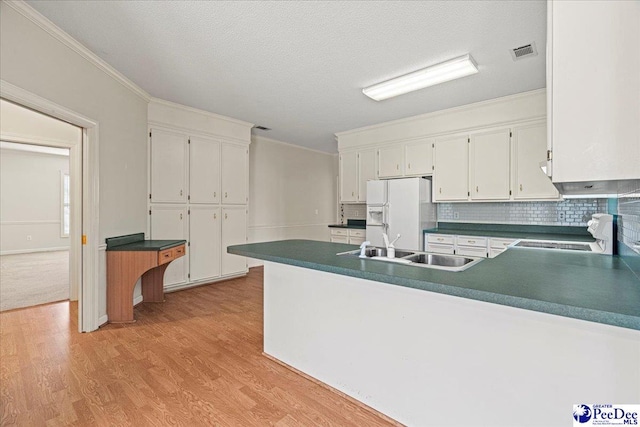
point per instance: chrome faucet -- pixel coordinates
(363, 249)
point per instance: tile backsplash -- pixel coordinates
(352, 211)
(629, 222)
(570, 212)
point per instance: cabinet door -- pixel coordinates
(529, 152)
(234, 232)
(171, 223)
(489, 165)
(593, 87)
(168, 166)
(204, 225)
(390, 162)
(366, 171)
(204, 170)
(234, 161)
(451, 173)
(418, 158)
(349, 177)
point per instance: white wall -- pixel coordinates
(30, 201)
(38, 62)
(287, 184)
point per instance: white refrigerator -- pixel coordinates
(400, 206)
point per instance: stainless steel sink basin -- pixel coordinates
(373, 251)
(418, 259)
(567, 246)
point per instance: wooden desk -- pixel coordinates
(128, 258)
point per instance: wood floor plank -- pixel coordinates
(194, 360)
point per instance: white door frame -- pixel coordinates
(83, 235)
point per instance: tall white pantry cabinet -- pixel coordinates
(198, 190)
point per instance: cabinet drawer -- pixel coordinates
(472, 251)
(440, 249)
(356, 240)
(339, 232)
(357, 233)
(340, 239)
(170, 254)
(444, 239)
(471, 241)
(494, 252)
(500, 243)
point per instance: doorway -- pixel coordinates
(35, 216)
(83, 167)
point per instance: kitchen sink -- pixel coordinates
(418, 259)
(543, 244)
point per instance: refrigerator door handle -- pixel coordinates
(385, 217)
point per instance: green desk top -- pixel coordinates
(136, 242)
(593, 287)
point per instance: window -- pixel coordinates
(66, 219)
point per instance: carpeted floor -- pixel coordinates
(32, 279)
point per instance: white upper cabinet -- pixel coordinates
(451, 174)
(489, 165)
(204, 170)
(349, 177)
(366, 171)
(418, 158)
(169, 155)
(593, 85)
(171, 223)
(390, 161)
(529, 152)
(235, 159)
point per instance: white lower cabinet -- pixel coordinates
(471, 246)
(171, 223)
(353, 236)
(234, 232)
(498, 245)
(204, 223)
(356, 236)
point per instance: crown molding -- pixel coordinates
(199, 111)
(442, 112)
(56, 32)
(257, 138)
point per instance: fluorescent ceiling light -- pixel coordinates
(436, 74)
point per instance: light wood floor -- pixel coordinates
(194, 360)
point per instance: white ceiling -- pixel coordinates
(298, 67)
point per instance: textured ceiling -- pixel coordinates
(298, 67)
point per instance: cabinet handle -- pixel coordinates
(409, 166)
(181, 192)
(439, 239)
(180, 216)
(214, 194)
(440, 190)
(215, 216)
(471, 241)
(225, 194)
(225, 216)
(397, 166)
(476, 188)
(520, 187)
(353, 193)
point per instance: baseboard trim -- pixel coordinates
(28, 251)
(336, 391)
(103, 320)
(196, 283)
(137, 300)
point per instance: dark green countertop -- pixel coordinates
(593, 287)
(514, 231)
(148, 245)
(136, 242)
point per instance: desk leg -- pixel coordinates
(152, 284)
(123, 270)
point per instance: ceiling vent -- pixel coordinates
(262, 128)
(524, 51)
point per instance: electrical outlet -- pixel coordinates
(316, 211)
(28, 237)
(456, 215)
(561, 216)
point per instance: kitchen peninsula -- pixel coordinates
(529, 332)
